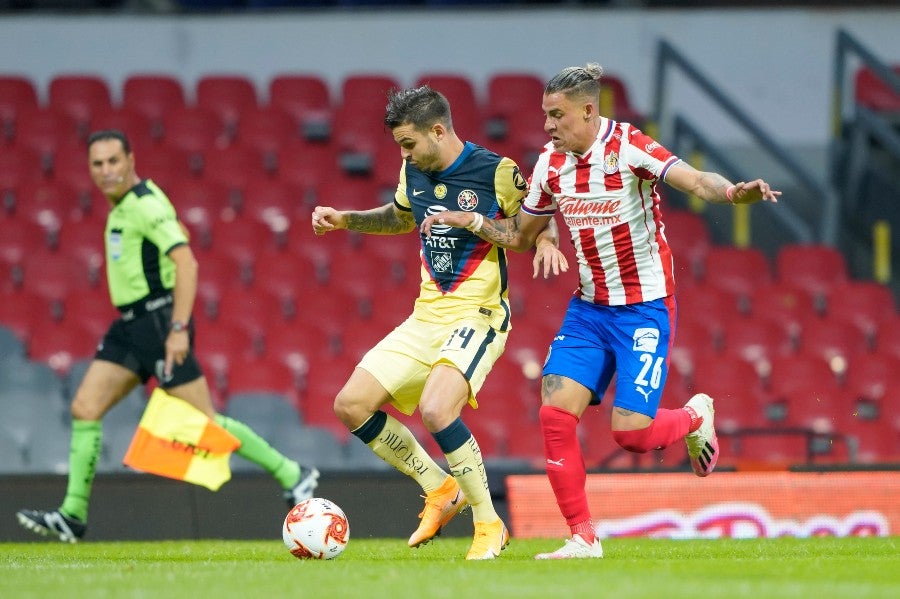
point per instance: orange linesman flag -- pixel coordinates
(176, 440)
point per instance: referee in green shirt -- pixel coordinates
(152, 275)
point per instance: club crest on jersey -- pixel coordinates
(467, 200)
(646, 339)
(611, 163)
(440, 191)
(441, 262)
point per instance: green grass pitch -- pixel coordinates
(818, 568)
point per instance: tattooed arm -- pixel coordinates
(385, 220)
(714, 188)
(517, 233)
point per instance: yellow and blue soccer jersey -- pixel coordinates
(463, 276)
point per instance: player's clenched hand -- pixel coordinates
(326, 218)
(449, 218)
(551, 258)
(749, 192)
(177, 347)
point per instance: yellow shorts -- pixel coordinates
(403, 360)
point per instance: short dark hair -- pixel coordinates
(420, 106)
(576, 81)
(107, 134)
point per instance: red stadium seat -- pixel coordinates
(223, 270)
(357, 138)
(888, 341)
(263, 375)
(871, 382)
(165, 165)
(153, 95)
(737, 270)
(139, 128)
(236, 167)
(228, 339)
(688, 236)
(512, 105)
(55, 275)
(18, 166)
(71, 168)
(386, 169)
(48, 131)
(84, 240)
(21, 239)
(267, 130)
(367, 92)
(229, 96)
(47, 203)
(735, 387)
(877, 440)
(758, 341)
(764, 449)
(815, 268)
(273, 200)
(194, 130)
(16, 93)
(834, 341)
(784, 303)
(805, 387)
(307, 100)
(523, 148)
(716, 306)
(93, 310)
(82, 96)
(290, 345)
(465, 108)
(282, 274)
(310, 166)
(866, 304)
(59, 344)
(243, 237)
(697, 334)
(20, 310)
(358, 125)
(200, 203)
(327, 376)
(254, 308)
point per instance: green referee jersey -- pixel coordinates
(140, 230)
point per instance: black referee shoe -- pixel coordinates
(55, 523)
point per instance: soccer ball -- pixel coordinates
(316, 528)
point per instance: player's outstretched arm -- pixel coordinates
(716, 189)
(385, 220)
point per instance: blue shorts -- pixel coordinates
(595, 342)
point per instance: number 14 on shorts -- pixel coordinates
(459, 338)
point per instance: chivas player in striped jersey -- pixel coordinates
(601, 176)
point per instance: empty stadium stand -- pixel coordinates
(791, 346)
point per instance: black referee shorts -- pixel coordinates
(140, 346)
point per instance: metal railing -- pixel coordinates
(668, 58)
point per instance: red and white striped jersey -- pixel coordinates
(609, 201)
